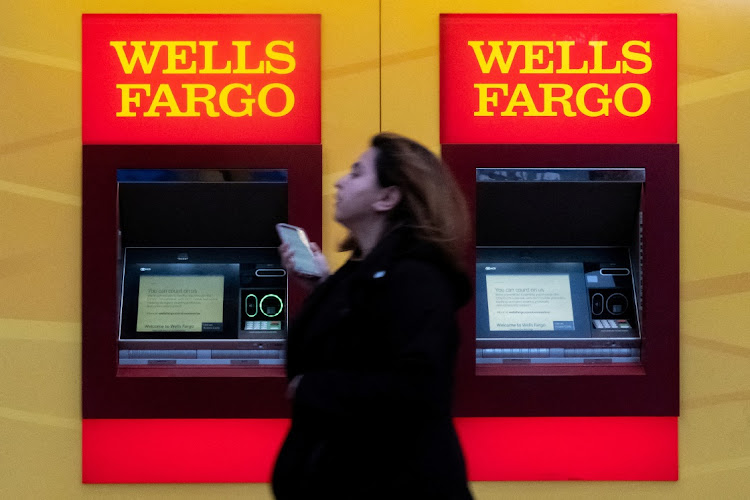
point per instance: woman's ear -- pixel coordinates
(389, 198)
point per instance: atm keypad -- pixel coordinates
(262, 325)
(611, 323)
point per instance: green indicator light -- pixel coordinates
(281, 305)
(249, 305)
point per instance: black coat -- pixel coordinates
(376, 346)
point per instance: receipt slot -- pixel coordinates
(576, 308)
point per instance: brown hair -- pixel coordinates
(431, 203)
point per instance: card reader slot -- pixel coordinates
(614, 271)
(270, 273)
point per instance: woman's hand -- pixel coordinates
(308, 282)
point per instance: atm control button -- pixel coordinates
(598, 323)
(271, 305)
(251, 305)
(597, 304)
(622, 323)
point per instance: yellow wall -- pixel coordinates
(40, 210)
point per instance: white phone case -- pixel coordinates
(297, 240)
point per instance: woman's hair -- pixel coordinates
(431, 203)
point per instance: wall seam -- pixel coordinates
(380, 65)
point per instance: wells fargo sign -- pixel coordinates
(558, 78)
(210, 79)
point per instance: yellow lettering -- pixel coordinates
(288, 58)
(534, 52)
(205, 99)
(208, 60)
(581, 100)
(645, 99)
(164, 91)
(263, 101)
(139, 57)
(599, 59)
(636, 56)
(495, 55)
(521, 97)
(128, 98)
(565, 59)
(177, 52)
(485, 97)
(224, 100)
(563, 99)
(242, 59)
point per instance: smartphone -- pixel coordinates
(296, 238)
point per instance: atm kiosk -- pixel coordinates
(576, 280)
(558, 258)
(186, 302)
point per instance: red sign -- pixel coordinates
(201, 79)
(590, 78)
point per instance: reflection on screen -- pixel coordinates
(529, 302)
(180, 303)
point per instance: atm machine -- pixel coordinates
(575, 252)
(201, 282)
(558, 266)
(186, 304)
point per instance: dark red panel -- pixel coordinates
(184, 393)
(648, 390)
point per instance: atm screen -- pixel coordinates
(180, 300)
(529, 302)
(532, 300)
(180, 303)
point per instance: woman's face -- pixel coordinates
(358, 191)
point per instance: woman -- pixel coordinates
(371, 355)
